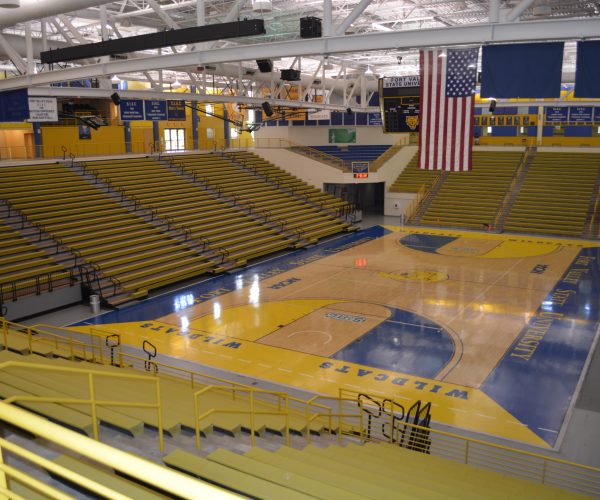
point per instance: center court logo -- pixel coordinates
(426, 276)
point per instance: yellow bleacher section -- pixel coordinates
(307, 213)
(209, 219)
(288, 181)
(353, 472)
(21, 262)
(412, 177)
(555, 195)
(87, 220)
(473, 198)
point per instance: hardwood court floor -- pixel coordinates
(494, 330)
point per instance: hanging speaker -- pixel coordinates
(267, 108)
(264, 65)
(115, 98)
(492, 105)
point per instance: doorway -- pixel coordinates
(174, 139)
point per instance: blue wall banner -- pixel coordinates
(131, 109)
(375, 119)
(580, 113)
(175, 110)
(14, 106)
(597, 114)
(557, 114)
(155, 110)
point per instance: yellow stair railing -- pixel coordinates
(139, 469)
(92, 376)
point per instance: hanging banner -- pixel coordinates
(175, 110)
(374, 119)
(580, 114)
(322, 114)
(43, 109)
(131, 110)
(155, 110)
(556, 114)
(597, 114)
(14, 106)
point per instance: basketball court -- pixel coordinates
(494, 330)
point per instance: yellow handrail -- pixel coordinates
(139, 469)
(92, 375)
(251, 412)
(533, 466)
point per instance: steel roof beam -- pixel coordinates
(456, 35)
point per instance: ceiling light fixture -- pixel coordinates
(176, 84)
(369, 71)
(115, 79)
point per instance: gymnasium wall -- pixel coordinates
(319, 135)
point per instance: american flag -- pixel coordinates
(448, 79)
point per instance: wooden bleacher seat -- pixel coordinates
(230, 479)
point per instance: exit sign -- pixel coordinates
(361, 176)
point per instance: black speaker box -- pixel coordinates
(310, 27)
(264, 65)
(115, 98)
(290, 75)
(267, 108)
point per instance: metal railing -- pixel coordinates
(36, 285)
(252, 411)
(356, 416)
(414, 204)
(138, 469)
(91, 377)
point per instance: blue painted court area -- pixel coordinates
(429, 243)
(538, 376)
(404, 343)
(172, 302)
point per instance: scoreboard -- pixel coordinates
(399, 102)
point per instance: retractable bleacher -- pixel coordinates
(282, 199)
(87, 220)
(473, 198)
(556, 194)
(224, 226)
(412, 178)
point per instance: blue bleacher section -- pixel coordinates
(354, 152)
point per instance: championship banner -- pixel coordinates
(43, 109)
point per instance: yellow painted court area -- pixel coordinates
(287, 328)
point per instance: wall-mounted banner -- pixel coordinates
(322, 114)
(155, 110)
(43, 109)
(175, 110)
(556, 114)
(14, 106)
(580, 114)
(597, 114)
(131, 110)
(374, 119)
(342, 135)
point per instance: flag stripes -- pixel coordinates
(447, 106)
